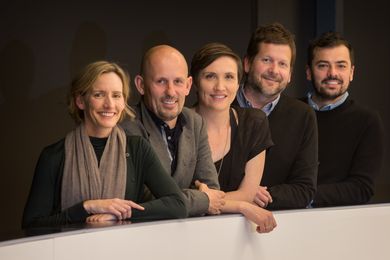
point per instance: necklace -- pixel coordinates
(224, 149)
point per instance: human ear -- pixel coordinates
(188, 86)
(246, 64)
(139, 84)
(80, 102)
(351, 75)
(308, 73)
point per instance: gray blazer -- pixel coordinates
(194, 157)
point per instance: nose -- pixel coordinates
(332, 71)
(219, 85)
(108, 102)
(170, 89)
(273, 67)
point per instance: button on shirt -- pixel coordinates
(171, 136)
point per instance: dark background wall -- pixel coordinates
(43, 45)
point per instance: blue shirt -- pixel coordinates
(326, 107)
(243, 102)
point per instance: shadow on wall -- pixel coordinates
(17, 66)
(31, 124)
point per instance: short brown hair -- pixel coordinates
(208, 54)
(329, 40)
(84, 81)
(274, 33)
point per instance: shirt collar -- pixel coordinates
(328, 107)
(244, 102)
(180, 122)
(268, 108)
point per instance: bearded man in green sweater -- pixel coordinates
(351, 136)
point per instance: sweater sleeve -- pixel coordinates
(43, 207)
(367, 161)
(300, 186)
(169, 201)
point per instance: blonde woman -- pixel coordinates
(97, 173)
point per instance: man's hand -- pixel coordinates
(216, 198)
(262, 197)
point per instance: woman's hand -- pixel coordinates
(101, 218)
(216, 197)
(264, 219)
(121, 209)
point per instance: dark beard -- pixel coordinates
(255, 85)
(251, 83)
(326, 96)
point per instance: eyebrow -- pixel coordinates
(326, 61)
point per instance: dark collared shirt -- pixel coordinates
(171, 136)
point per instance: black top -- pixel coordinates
(351, 151)
(98, 146)
(43, 207)
(249, 137)
(291, 164)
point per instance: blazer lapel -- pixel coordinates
(155, 139)
(186, 157)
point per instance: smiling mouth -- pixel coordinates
(107, 114)
(218, 96)
(273, 79)
(169, 102)
(332, 81)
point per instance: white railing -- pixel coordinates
(361, 232)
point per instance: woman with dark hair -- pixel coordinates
(238, 137)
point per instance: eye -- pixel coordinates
(98, 94)
(322, 65)
(161, 81)
(342, 66)
(178, 82)
(283, 65)
(210, 76)
(266, 60)
(230, 76)
(117, 95)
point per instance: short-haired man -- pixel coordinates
(290, 173)
(351, 136)
(177, 134)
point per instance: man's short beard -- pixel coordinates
(255, 85)
(251, 83)
(326, 96)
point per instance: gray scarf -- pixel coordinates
(83, 179)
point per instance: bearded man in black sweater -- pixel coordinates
(351, 137)
(290, 173)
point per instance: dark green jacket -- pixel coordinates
(43, 207)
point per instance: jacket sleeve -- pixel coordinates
(43, 207)
(169, 201)
(367, 162)
(205, 171)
